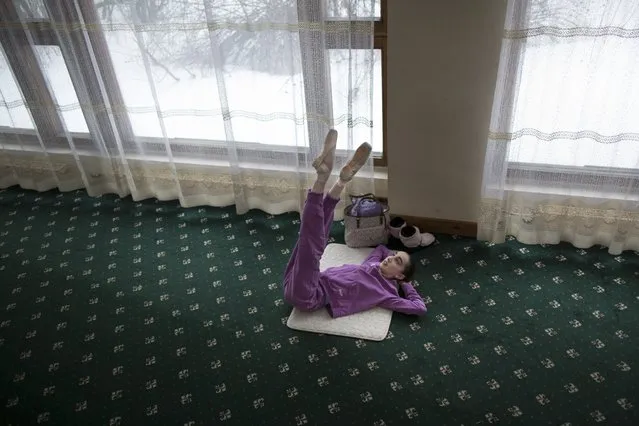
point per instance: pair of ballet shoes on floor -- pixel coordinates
(409, 235)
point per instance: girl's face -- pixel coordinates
(393, 266)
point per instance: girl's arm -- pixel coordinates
(380, 253)
(413, 304)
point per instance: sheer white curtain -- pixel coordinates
(214, 102)
(563, 153)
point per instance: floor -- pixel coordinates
(121, 312)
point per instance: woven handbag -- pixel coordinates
(366, 226)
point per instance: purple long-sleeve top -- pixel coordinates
(354, 288)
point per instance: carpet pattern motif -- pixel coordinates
(120, 312)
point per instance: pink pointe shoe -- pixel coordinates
(357, 162)
(323, 164)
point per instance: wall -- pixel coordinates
(442, 67)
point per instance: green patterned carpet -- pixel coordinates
(116, 312)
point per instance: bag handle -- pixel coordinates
(369, 196)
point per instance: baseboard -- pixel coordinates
(439, 226)
(443, 226)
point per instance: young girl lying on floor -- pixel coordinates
(346, 289)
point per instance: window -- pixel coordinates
(31, 9)
(339, 11)
(576, 101)
(13, 111)
(596, 95)
(61, 87)
(46, 72)
(359, 61)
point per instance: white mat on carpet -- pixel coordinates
(370, 325)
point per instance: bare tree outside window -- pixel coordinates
(174, 46)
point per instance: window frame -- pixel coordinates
(545, 176)
(49, 125)
(584, 178)
(85, 81)
(25, 68)
(380, 42)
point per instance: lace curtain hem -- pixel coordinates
(274, 192)
(547, 222)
